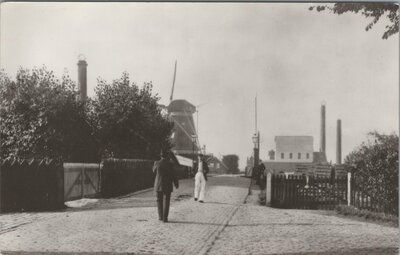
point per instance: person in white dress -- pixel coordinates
(200, 179)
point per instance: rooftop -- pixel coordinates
(181, 105)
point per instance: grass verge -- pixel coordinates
(367, 215)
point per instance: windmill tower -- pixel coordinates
(184, 137)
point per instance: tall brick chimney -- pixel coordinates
(82, 77)
(339, 142)
(323, 131)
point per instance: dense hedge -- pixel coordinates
(375, 168)
(123, 176)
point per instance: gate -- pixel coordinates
(81, 180)
(308, 192)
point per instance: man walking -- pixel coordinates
(165, 177)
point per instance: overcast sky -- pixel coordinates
(292, 58)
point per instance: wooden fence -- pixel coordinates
(31, 185)
(45, 185)
(325, 192)
(302, 192)
(362, 198)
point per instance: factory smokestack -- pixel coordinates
(82, 77)
(323, 133)
(339, 142)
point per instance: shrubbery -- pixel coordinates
(375, 169)
(353, 211)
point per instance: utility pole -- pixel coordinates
(256, 138)
(255, 113)
(256, 142)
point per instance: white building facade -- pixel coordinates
(294, 149)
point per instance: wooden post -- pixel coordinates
(82, 180)
(60, 185)
(349, 188)
(98, 193)
(268, 190)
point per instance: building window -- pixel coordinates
(290, 155)
(282, 155)
(299, 155)
(217, 165)
(308, 155)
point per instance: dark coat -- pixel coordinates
(205, 169)
(165, 176)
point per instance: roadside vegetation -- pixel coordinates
(378, 217)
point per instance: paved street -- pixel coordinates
(228, 222)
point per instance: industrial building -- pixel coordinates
(296, 155)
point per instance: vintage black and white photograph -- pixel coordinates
(204, 128)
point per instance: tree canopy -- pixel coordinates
(41, 117)
(128, 120)
(369, 10)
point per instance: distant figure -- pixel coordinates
(165, 177)
(200, 179)
(263, 175)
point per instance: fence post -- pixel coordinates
(60, 184)
(82, 176)
(268, 189)
(349, 188)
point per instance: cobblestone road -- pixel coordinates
(222, 225)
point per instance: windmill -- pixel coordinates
(184, 133)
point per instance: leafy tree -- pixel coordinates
(376, 167)
(370, 10)
(41, 117)
(232, 163)
(128, 120)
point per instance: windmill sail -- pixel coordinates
(173, 84)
